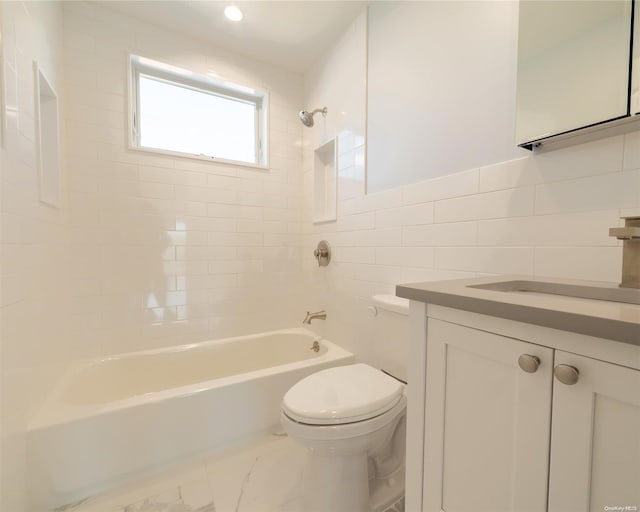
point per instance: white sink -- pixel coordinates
(605, 293)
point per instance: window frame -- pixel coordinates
(202, 83)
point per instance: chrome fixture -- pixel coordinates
(566, 374)
(323, 253)
(320, 315)
(630, 234)
(529, 363)
(307, 117)
(316, 346)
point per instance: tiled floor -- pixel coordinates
(261, 476)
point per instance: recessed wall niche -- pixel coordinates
(47, 138)
(325, 182)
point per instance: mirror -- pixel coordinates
(573, 65)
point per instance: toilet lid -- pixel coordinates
(344, 394)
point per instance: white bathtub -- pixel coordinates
(118, 417)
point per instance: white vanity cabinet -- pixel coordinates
(486, 422)
(595, 438)
(495, 437)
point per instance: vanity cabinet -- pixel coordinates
(595, 437)
(487, 422)
(495, 433)
(502, 432)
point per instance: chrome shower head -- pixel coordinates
(307, 117)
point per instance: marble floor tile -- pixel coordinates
(261, 476)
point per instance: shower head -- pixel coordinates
(307, 117)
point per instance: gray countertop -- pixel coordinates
(600, 318)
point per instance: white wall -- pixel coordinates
(441, 88)
(544, 214)
(34, 240)
(337, 81)
(346, 116)
(170, 250)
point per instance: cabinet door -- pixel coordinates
(595, 438)
(576, 74)
(487, 422)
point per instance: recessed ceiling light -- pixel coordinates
(233, 13)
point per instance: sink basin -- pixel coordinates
(626, 295)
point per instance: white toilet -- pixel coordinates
(352, 420)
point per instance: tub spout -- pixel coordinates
(321, 315)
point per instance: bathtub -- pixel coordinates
(120, 417)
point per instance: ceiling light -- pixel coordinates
(233, 13)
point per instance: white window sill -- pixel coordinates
(202, 158)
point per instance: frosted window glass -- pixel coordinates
(186, 120)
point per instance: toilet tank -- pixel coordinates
(390, 334)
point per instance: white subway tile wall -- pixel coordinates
(183, 245)
(35, 252)
(546, 214)
(498, 231)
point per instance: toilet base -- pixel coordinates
(398, 506)
(336, 484)
(387, 495)
(350, 489)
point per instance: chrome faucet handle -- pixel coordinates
(630, 234)
(323, 253)
(626, 233)
(630, 231)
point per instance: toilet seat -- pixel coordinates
(340, 395)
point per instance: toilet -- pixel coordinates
(352, 421)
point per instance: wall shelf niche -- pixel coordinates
(325, 182)
(47, 138)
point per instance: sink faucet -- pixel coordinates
(321, 315)
(630, 234)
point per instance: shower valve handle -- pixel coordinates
(323, 253)
(320, 253)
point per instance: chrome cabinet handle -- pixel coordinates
(529, 363)
(566, 374)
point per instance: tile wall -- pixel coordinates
(146, 250)
(34, 242)
(169, 250)
(546, 214)
(543, 215)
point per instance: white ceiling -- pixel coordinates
(288, 34)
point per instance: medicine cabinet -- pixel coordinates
(578, 71)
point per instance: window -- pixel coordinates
(179, 112)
